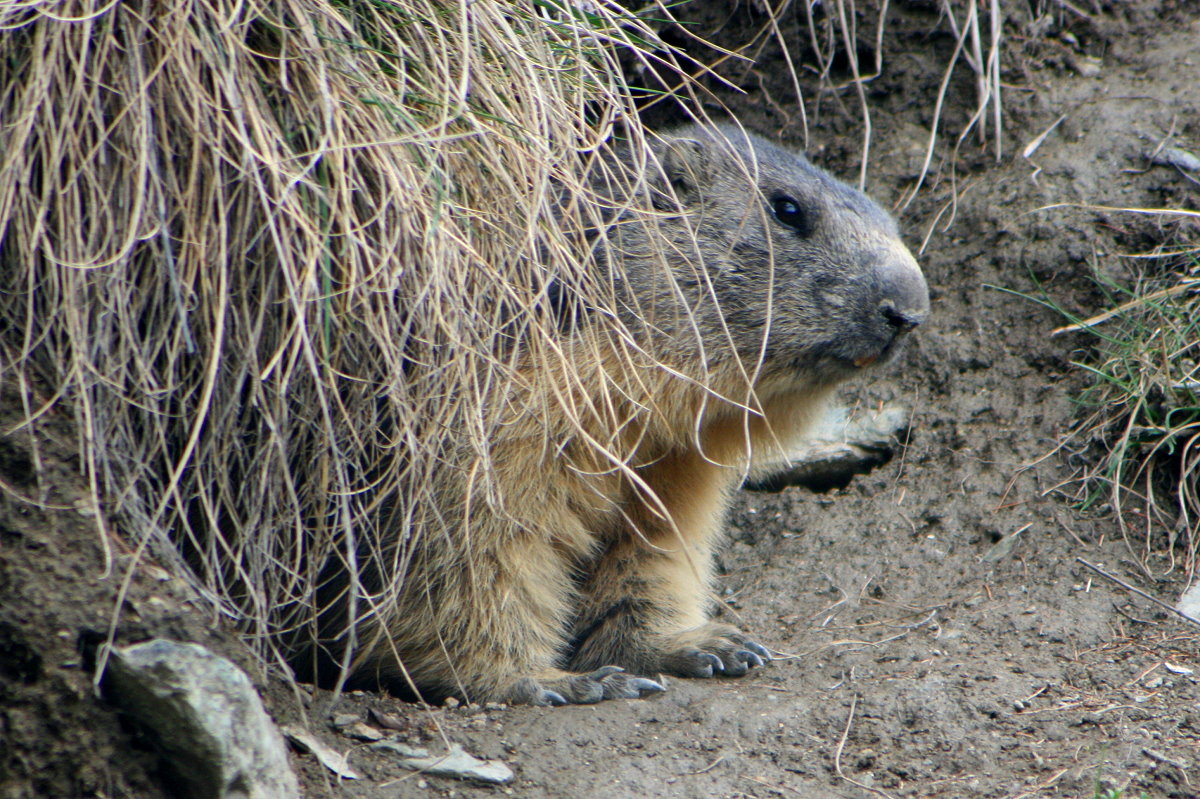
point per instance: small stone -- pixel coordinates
(1180, 159)
(451, 702)
(387, 720)
(456, 763)
(330, 758)
(362, 732)
(1087, 66)
(1189, 602)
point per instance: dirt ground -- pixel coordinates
(923, 652)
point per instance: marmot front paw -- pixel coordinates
(712, 650)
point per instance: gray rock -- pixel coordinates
(205, 717)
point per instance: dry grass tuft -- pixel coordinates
(278, 257)
(1144, 403)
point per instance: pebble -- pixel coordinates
(456, 763)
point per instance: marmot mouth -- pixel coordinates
(837, 364)
(881, 356)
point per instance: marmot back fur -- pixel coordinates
(572, 562)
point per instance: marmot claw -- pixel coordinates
(606, 682)
(725, 651)
(696, 663)
(758, 649)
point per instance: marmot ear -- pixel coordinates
(686, 163)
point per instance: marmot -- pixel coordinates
(578, 568)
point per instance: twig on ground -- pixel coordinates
(778, 788)
(1139, 592)
(1159, 757)
(706, 769)
(1041, 785)
(837, 755)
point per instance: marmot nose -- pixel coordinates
(902, 321)
(903, 296)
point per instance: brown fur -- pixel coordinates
(581, 543)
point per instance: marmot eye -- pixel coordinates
(789, 213)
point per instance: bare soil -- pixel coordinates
(937, 635)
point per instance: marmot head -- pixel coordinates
(773, 259)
